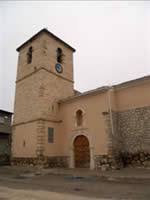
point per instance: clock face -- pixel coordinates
(58, 68)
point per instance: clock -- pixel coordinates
(58, 68)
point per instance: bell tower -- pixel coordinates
(44, 76)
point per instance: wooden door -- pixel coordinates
(81, 152)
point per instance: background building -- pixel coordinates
(5, 136)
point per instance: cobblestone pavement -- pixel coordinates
(27, 184)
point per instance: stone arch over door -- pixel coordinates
(81, 152)
(72, 156)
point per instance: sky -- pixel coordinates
(111, 38)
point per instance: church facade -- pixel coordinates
(56, 126)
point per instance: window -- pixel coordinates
(79, 117)
(60, 55)
(29, 55)
(2, 120)
(50, 135)
(24, 143)
(52, 108)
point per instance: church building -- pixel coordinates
(57, 126)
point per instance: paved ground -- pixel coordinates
(61, 184)
(14, 194)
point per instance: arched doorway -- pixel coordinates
(81, 152)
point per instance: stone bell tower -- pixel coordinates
(44, 75)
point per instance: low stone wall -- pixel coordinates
(24, 161)
(141, 159)
(58, 161)
(52, 162)
(106, 162)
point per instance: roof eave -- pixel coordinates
(84, 94)
(47, 32)
(133, 82)
(5, 111)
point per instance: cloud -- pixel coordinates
(111, 38)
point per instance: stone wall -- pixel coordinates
(52, 162)
(105, 162)
(140, 158)
(58, 161)
(134, 129)
(15, 161)
(129, 136)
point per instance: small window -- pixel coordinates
(79, 117)
(60, 55)
(52, 108)
(29, 55)
(50, 135)
(2, 120)
(24, 143)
